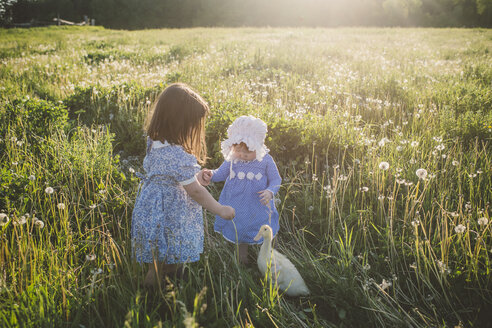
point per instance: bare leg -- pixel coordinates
(243, 254)
(154, 275)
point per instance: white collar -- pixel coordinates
(157, 144)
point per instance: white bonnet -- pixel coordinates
(250, 130)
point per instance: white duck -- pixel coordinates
(288, 278)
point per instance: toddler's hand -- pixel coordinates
(227, 213)
(265, 196)
(207, 175)
(204, 177)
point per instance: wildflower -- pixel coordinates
(131, 170)
(61, 206)
(483, 221)
(20, 221)
(440, 147)
(49, 190)
(443, 267)
(315, 178)
(20, 143)
(4, 219)
(92, 206)
(39, 224)
(421, 173)
(471, 176)
(455, 163)
(102, 191)
(342, 177)
(90, 257)
(32, 177)
(479, 171)
(383, 141)
(310, 208)
(415, 223)
(364, 189)
(454, 214)
(413, 266)
(414, 143)
(400, 181)
(384, 166)
(460, 228)
(366, 267)
(385, 284)
(381, 197)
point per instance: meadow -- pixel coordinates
(382, 138)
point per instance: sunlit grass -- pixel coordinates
(382, 137)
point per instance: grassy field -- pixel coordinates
(382, 138)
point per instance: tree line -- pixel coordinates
(141, 14)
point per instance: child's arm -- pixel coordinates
(274, 179)
(222, 172)
(273, 182)
(200, 195)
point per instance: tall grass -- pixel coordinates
(353, 116)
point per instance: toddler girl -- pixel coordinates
(167, 222)
(251, 180)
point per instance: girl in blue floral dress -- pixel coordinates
(167, 221)
(251, 180)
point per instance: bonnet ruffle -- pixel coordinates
(250, 130)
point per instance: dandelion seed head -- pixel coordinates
(39, 224)
(455, 163)
(384, 166)
(364, 189)
(421, 173)
(483, 221)
(460, 229)
(49, 190)
(92, 206)
(4, 219)
(61, 206)
(131, 170)
(310, 208)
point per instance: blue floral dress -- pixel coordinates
(167, 225)
(243, 181)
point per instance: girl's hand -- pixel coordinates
(265, 196)
(227, 213)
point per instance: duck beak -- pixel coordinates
(258, 236)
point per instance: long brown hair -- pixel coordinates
(178, 117)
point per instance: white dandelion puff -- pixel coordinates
(460, 228)
(483, 221)
(131, 170)
(32, 177)
(4, 219)
(384, 166)
(421, 173)
(49, 190)
(455, 163)
(364, 189)
(39, 224)
(61, 206)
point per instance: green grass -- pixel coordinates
(376, 247)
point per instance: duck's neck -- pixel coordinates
(266, 248)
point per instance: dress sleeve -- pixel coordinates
(187, 168)
(274, 180)
(222, 172)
